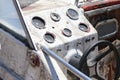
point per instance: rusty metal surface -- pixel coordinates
(107, 64)
(33, 59)
(99, 4)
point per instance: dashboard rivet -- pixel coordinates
(67, 32)
(49, 38)
(38, 22)
(72, 14)
(55, 17)
(83, 27)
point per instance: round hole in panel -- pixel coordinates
(49, 38)
(38, 22)
(67, 32)
(55, 17)
(72, 14)
(83, 27)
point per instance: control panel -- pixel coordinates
(63, 29)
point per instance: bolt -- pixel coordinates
(33, 59)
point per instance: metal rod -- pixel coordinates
(69, 67)
(76, 2)
(24, 24)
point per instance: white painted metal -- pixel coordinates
(13, 53)
(62, 44)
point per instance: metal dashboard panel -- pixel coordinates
(57, 27)
(64, 46)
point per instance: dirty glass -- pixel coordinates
(9, 17)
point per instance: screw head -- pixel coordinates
(34, 60)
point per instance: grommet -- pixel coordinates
(38, 22)
(49, 38)
(83, 27)
(55, 17)
(72, 14)
(67, 32)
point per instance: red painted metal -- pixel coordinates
(99, 4)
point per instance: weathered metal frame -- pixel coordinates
(18, 9)
(101, 10)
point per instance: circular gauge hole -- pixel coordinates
(72, 14)
(55, 17)
(53, 27)
(38, 22)
(83, 27)
(67, 32)
(49, 37)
